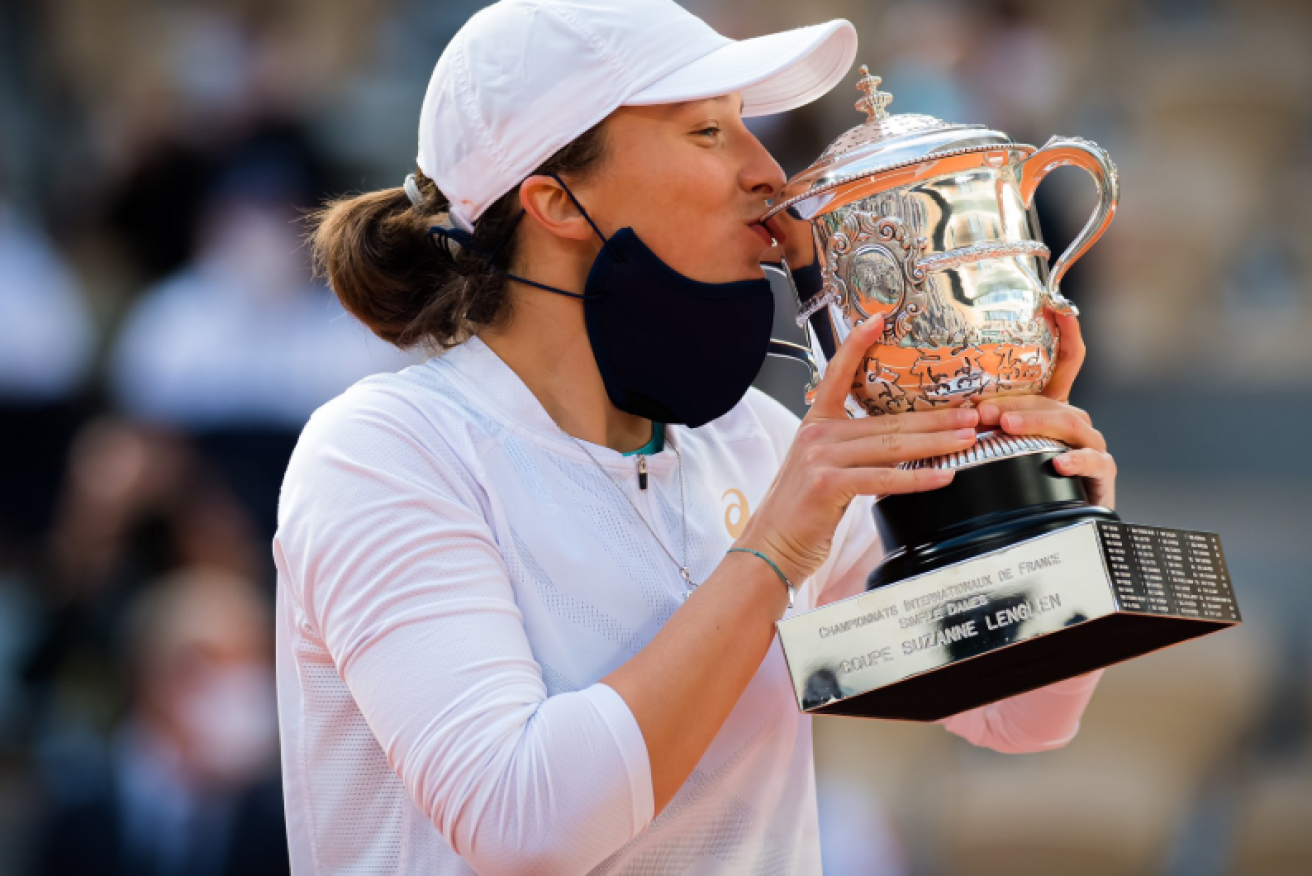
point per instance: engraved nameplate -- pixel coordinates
(1168, 572)
(1053, 607)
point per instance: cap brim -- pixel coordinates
(775, 73)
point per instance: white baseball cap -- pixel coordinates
(524, 78)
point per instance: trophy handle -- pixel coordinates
(815, 356)
(1085, 154)
(786, 349)
(797, 353)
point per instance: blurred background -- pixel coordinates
(162, 342)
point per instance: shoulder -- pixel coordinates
(370, 408)
(410, 426)
(387, 457)
(420, 402)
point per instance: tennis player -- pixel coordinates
(527, 590)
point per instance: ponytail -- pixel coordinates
(411, 289)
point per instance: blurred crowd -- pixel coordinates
(162, 341)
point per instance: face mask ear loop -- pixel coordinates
(546, 288)
(466, 240)
(604, 241)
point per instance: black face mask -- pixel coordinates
(669, 348)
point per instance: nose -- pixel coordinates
(761, 174)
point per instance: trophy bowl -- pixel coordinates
(932, 226)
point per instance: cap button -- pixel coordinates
(875, 103)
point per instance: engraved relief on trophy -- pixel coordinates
(874, 278)
(873, 263)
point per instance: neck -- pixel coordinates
(546, 344)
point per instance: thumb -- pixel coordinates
(831, 395)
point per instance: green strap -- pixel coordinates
(655, 445)
(782, 577)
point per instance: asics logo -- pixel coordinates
(736, 513)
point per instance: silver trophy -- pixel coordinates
(1008, 579)
(932, 226)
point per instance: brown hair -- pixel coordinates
(411, 288)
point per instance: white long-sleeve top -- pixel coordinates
(454, 577)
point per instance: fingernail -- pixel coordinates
(988, 415)
(965, 434)
(965, 416)
(1011, 421)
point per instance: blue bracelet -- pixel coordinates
(792, 591)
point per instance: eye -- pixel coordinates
(711, 131)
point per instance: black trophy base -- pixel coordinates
(986, 507)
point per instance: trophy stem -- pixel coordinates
(987, 507)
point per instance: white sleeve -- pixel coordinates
(1040, 720)
(387, 539)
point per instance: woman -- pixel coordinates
(524, 627)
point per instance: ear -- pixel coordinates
(548, 204)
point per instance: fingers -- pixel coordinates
(1039, 415)
(1062, 424)
(891, 481)
(1086, 463)
(1098, 470)
(821, 431)
(832, 393)
(991, 412)
(893, 448)
(1070, 357)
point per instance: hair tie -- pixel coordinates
(412, 191)
(456, 235)
(466, 239)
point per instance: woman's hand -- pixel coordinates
(1051, 416)
(834, 459)
(794, 241)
